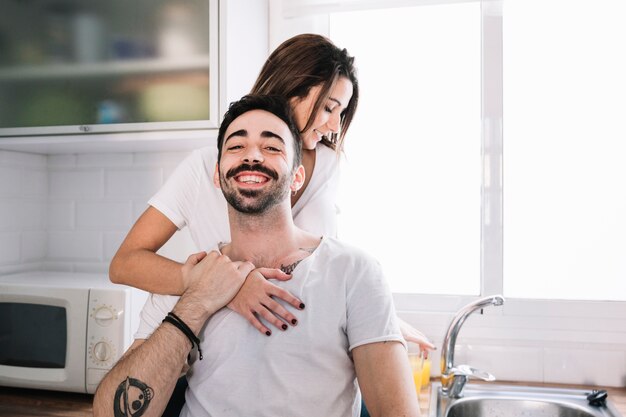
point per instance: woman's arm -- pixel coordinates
(136, 262)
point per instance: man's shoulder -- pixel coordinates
(336, 249)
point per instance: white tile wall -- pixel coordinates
(10, 242)
(110, 160)
(22, 159)
(9, 212)
(75, 245)
(61, 215)
(34, 245)
(104, 215)
(10, 181)
(76, 183)
(34, 182)
(32, 215)
(133, 183)
(70, 212)
(590, 366)
(23, 197)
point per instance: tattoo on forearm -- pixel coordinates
(132, 398)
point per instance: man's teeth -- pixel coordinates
(251, 179)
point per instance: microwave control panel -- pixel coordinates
(106, 332)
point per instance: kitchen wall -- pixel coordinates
(70, 212)
(23, 199)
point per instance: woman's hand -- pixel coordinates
(255, 300)
(411, 334)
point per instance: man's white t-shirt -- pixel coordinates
(189, 198)
(306, 370)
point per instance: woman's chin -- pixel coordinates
(310, 144)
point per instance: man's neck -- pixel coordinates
(269, 240)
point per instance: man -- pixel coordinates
(349, 329)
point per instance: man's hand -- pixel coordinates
(256, 299)
(212, 281)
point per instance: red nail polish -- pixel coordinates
(284, 326)
(294, 322)
(268, 333)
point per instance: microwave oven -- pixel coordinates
(62, 330)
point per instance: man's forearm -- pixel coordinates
(145, 377)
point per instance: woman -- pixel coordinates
(320, 82)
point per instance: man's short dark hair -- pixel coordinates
(276, 105)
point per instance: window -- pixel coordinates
(564, 149)
(413, 168)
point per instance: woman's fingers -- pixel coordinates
(258, 300)
(285, 296)
(256, 323)
(274, 273)
(269, 316)
(411, 334)
(278, 311)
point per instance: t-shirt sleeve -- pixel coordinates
(371, 315)
(176, 197)
(154, 311)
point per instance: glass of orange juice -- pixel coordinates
(426, 370)
(416, 360)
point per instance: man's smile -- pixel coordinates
(251, 178)
(251, 173)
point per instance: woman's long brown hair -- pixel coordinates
(306, 61)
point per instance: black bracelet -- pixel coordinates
(180, 325)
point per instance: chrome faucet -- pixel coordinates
(453, 378)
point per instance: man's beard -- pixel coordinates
(254, 201)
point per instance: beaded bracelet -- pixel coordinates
(180, 325)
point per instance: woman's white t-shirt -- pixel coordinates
(190, 199)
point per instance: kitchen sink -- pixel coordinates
(496, 400)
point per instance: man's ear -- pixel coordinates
(216, 176)
(298, 179)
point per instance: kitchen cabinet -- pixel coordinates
(73, 72)
(83, 66)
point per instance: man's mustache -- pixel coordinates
(246, 167)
